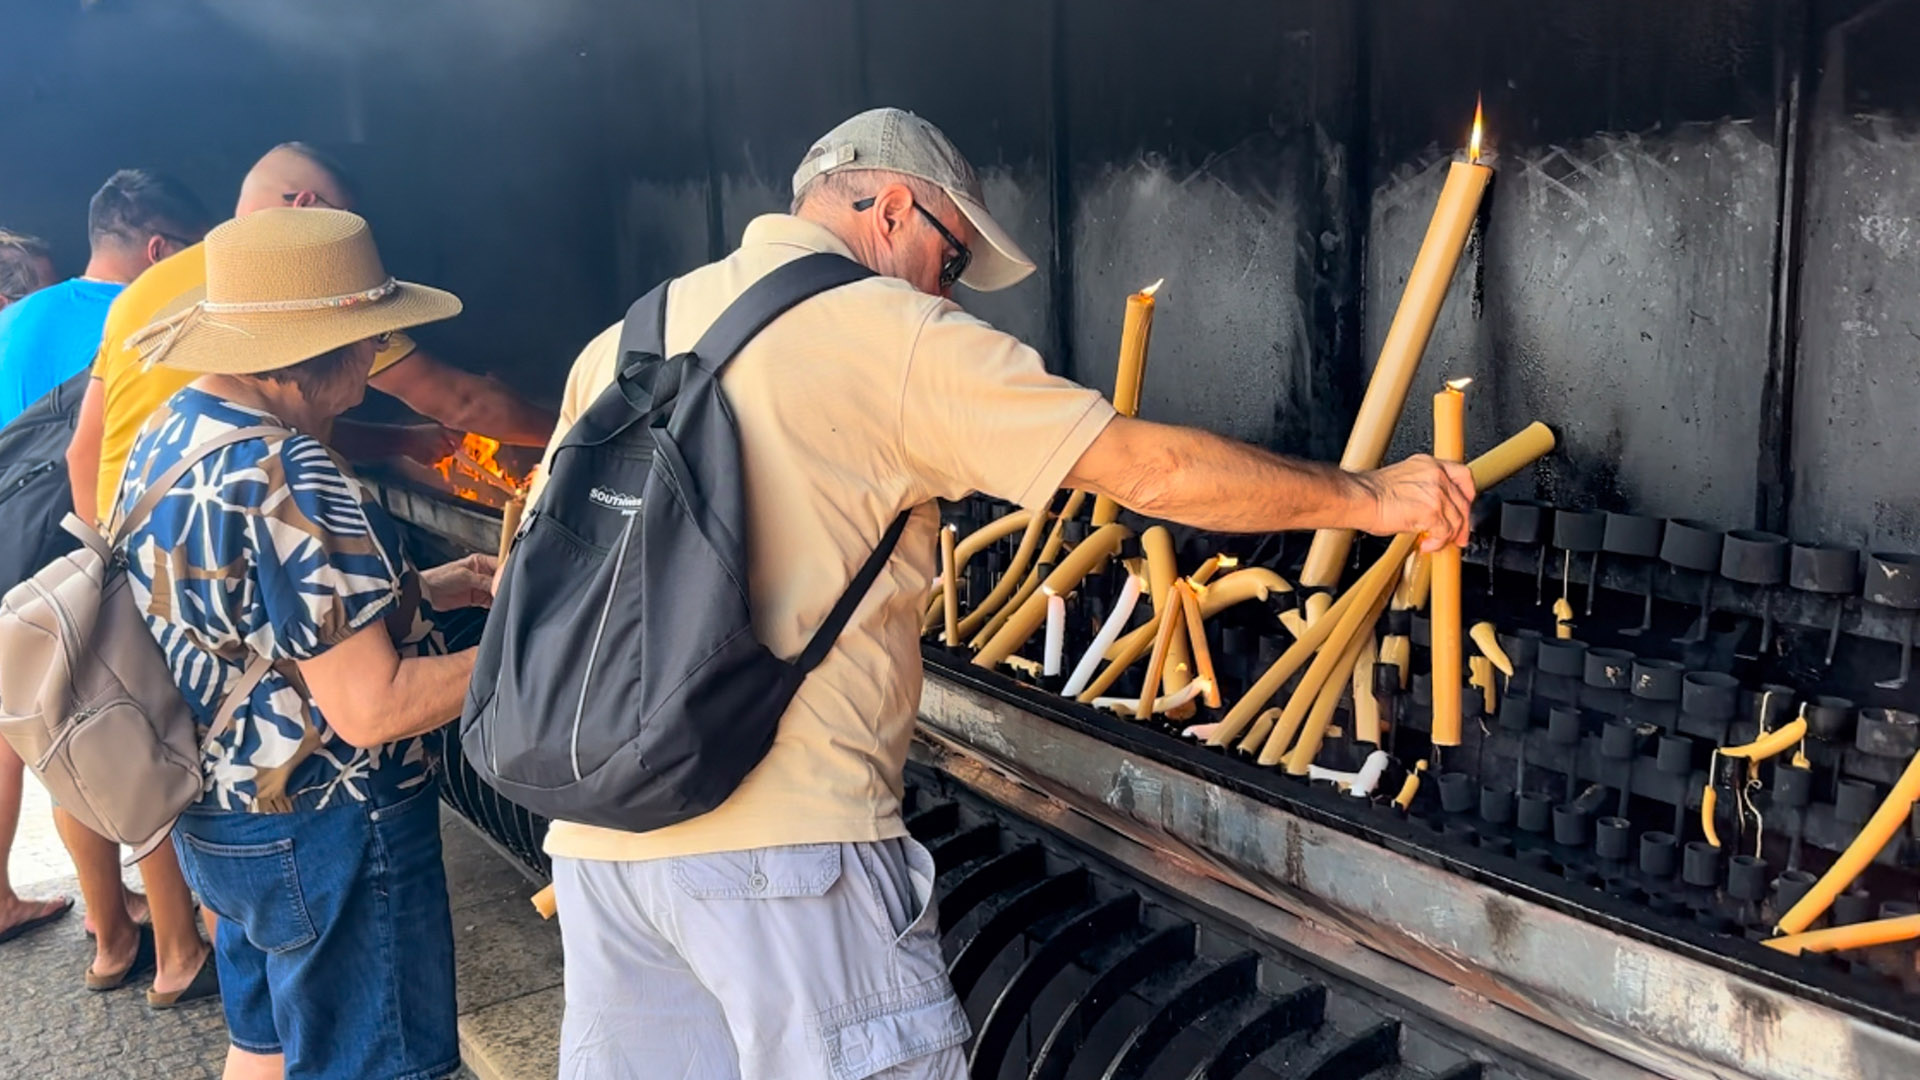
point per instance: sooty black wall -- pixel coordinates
(1699, 260)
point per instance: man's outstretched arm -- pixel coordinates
(1200, 479)
(463, 401)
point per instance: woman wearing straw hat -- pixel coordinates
(317, 840)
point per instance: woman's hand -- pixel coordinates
(467, 583)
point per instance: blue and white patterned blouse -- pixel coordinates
(269, 547)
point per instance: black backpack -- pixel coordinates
(34, 494)
(619, 682)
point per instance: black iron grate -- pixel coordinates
(1070, 970)
(512, 827)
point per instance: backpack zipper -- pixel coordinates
(21, 482)
(593, 653)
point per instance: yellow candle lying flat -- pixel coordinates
(1400, 354)
(1134, 334)
(1449, 444)
(1864, 935)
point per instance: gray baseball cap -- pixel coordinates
(895, 140)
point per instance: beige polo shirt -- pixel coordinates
(862, 402)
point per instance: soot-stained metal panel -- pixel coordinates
(1197, 150)
(984, 73)
(1621, 294)
(1621, 286)
(1858, 392)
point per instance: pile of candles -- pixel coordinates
(1334, 638)
(1057, 587)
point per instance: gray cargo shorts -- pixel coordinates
(812, 961)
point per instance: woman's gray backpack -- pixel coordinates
(619, 682)
(86, 697)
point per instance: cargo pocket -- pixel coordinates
(763, 873)
(255, 885)
(876, 1033)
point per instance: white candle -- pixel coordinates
(1056, 632)
(1160, 704)
(1102, 641)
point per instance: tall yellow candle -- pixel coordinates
(1449, 444)
(1406, 339)
(949, 585)
(1134, 334)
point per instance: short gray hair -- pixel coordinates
(851, 185)
(20, 258)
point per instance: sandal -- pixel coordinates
(38, 921)
(142, 960)
(205, 984)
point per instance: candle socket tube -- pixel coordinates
(1747, 878)
(1675, 756)
(1569, 826)
(1533, 812)
(1456, 792)
(1852, 906)
(1613, 839)
(1659, 854)
(1702, 865)
(1617, 740)
(1792, 786)
(1516, 712)
(1579, 872)
(1496, 805)
(1854, 801)
(1563, 726)
(1790, 886)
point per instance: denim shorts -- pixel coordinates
(335, 944)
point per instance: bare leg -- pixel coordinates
(242, 1065)
(98, 861)
(13, 910)
(177, 948)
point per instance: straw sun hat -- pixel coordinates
(283, 286)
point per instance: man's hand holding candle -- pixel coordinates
(1423, 495)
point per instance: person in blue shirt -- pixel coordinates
(137, 218)
(25, 266)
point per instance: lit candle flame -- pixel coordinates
(1153, 288)
(1458, 384)
(1473, 144)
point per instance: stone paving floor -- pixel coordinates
(53, 1028)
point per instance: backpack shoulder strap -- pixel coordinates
(257, 668)
(843, 609)
(769, 298)
(157, 490)
(644, 331)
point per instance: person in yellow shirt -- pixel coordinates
(122, 394)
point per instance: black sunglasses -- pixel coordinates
(289, 197)
(954, 265)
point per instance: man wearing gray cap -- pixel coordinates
(789, 933)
